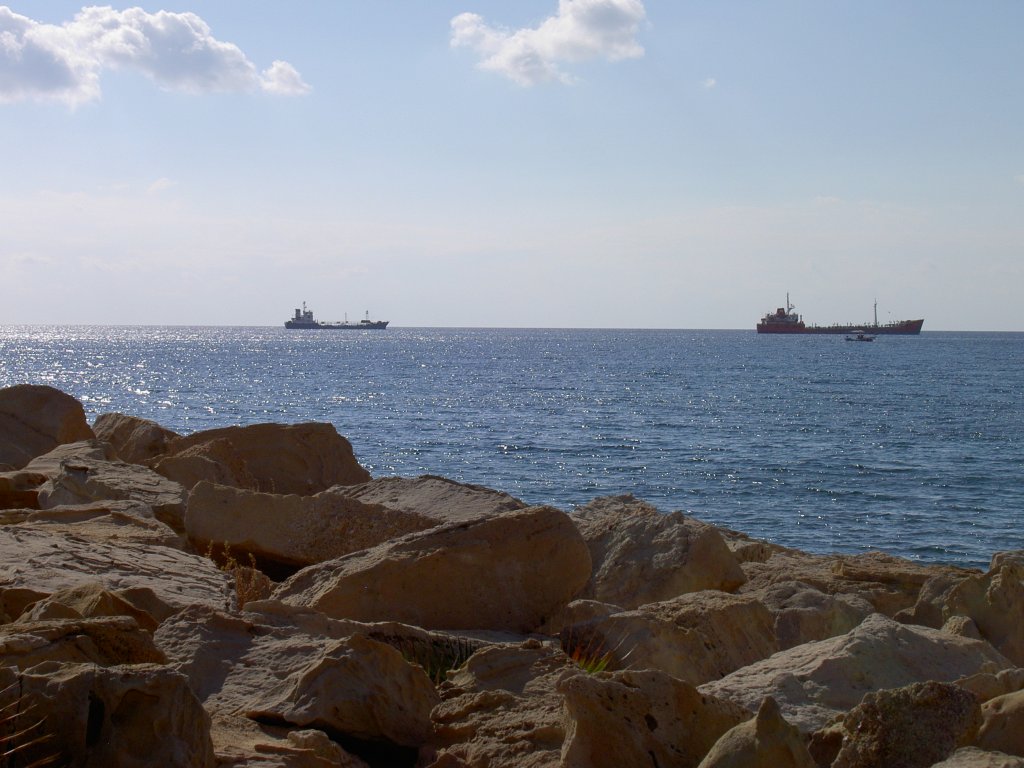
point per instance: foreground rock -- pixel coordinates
(290, 531)
(817, 681)
(1002, 729)
(915, 726)
(972, 757)
(86, 479)
(641, 718)
(509, 572)
(767, 741)
(272, 458)
(696, 637)
(995, 602)
(118, 717)
(35, 562)
(134, 440)
(289, 670)
(643, 556)
(35, 419)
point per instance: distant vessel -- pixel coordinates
(304, 319)
(860, 336)
(785, 320)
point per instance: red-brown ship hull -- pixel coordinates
(898, 328)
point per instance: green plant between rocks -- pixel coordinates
(436, 655)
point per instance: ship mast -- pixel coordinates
(876, 313)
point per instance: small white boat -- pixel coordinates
(860, 336)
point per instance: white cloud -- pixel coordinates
(709, 83)
(159, 186)
(176, 50)
(580, 30)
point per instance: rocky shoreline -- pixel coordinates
(251, 596)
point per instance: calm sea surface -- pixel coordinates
(910, 445)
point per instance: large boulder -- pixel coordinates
(335, 678)
(816, 681)
(696, 637)
(1002, 729)
(89, 601)
(804, 614)
(106, 522)
(432, 497)
(972, 757)
(279, 458)
(643, 556)
(135, 440)
(502, 709)
(891, 584)
(87, 479)
(36, 562)
(35, 419)
(131, 716)
(766, 741)
(995, 601)
(913, 726)
(288, 530)
(640, 717)
(106, 641)
(507, 572)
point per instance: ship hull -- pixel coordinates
(377, 325)
(900, 328)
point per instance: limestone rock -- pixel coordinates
(1003, 726)
(242, 743)
(914, 726)
(972, 757)
(431, 497)
(87, 601)
(934, 594)
(891, 584)
(334, 680)
(20, 489)
(804, 614)
(995, 600)
(104, 641)
(767, 741)
(508, 572)
(643, 556)
(134, 440)
(285, 458)
(214, 461)
(43, 561)
(88, 480)
(35, 419)
(292, 531)
(105, 522)
(986, 685)
(130, 716)
(696, 637)
(502, 709)
(640, 718)
(816, 681)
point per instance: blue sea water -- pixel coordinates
(909, 445)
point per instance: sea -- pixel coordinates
(911, 445)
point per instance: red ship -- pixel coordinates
(785, 320)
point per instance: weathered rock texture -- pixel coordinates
(643, 556)
(1003, 727)
(436, 498)
(274, 458)
(640, 718)
(508, 572)
(972, 757)
(130, 716)
(816, 681)
(35, 419)
(134, 440)
(995, 601)
(914, 726)
(696, 637)
(767, 741)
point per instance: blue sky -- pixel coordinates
(588, 163)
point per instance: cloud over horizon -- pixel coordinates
(580, 30)
(46, 62)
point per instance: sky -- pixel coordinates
(543, 163)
